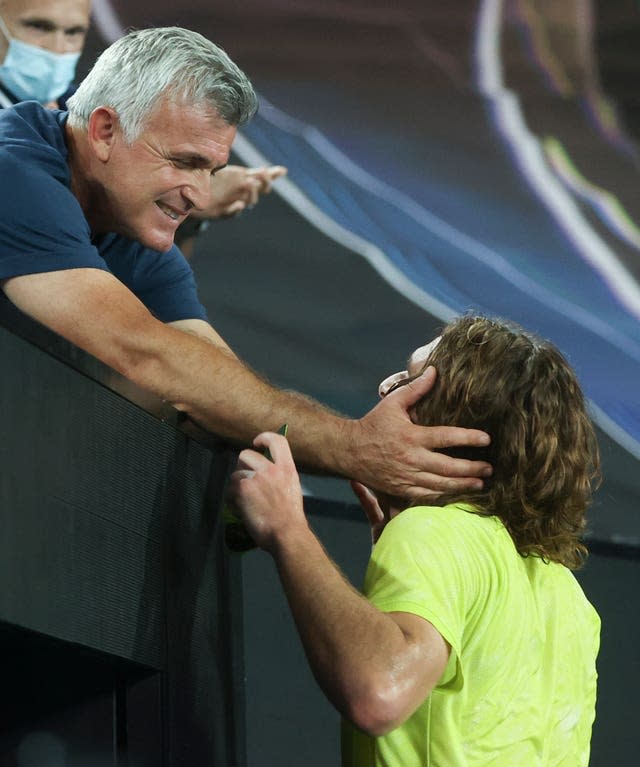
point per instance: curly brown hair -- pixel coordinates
(495, 376)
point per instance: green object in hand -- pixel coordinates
(236, 536)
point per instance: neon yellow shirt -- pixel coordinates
(520, 686)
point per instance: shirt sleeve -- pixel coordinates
(164, 282)
(422, 565)
(42, 228)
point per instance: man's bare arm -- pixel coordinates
(375, 667)
(193, 370)
(203, 378)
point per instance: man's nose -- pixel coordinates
(58, 41)
(198, 189)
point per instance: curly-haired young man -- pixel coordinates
(473, 643)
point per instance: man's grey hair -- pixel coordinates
(144, 66)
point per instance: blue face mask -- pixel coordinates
(33, 73)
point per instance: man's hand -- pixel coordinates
(392, 454)
(235, 188)
(265, 493)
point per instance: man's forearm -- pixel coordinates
(200, 376)
(223, 395)
(382, 449)
(360, 657)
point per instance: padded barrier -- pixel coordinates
(119, 605)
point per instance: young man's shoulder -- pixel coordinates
(454, 516)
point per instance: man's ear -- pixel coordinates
(103, 131)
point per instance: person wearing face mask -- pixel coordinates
(40, 44)
(473, 643)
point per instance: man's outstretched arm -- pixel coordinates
(203, 378)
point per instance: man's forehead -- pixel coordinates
(194, 133)
(65, 12)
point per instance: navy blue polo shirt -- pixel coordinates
(43, 228)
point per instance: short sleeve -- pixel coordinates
(42, 228)
(164, 282)
(423, 565)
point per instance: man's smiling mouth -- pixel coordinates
(173, 214)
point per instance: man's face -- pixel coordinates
(415, 366)
(148, 188)
(59, 26)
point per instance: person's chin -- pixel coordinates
(161, 241)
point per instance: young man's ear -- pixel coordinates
(102, 132)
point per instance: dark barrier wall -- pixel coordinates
(118, 609)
